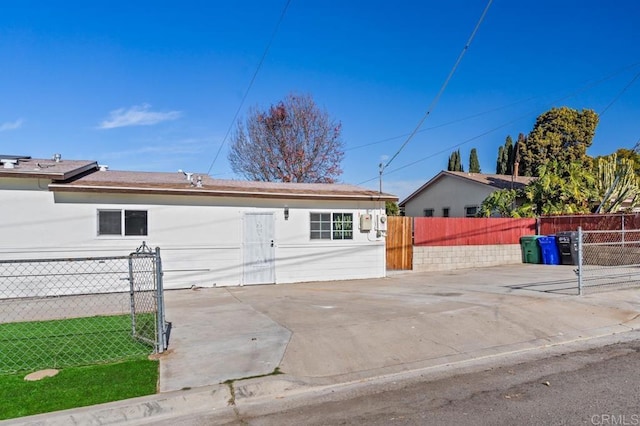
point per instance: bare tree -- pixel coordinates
(294, 141)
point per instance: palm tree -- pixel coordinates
(500, 203)
(559, 189)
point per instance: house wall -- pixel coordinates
(449, 192)
(201, 238)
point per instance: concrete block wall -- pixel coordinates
(448, 258)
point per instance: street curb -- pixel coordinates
(132, 411)
(267, 395)
(264, 404)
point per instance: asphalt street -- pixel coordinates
(595, 387)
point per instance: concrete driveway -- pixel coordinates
(332, 332)
(343, 336)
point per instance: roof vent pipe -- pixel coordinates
(189, 176)
(103, 167)
(57, 158)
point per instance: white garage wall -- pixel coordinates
(200, 237)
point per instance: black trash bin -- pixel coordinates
(568, 247)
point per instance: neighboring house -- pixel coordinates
(211, 232)
(457, 194)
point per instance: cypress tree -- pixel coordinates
(516, 155)
(508, 156)
(504, 163)
(499, 163)
(474, 164)
(455, 165)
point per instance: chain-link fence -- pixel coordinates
(66, 312)
(608, 259)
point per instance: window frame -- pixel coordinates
(424, 212)
(331, 226)
(322, 224)
(126, 217)
(341, 226)
(446, 212)
(466, 210)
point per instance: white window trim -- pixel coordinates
(122, 224)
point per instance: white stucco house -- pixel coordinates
(457, 194)
(211, 232)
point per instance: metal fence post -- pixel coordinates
(161, 338)
(580, 237)
(132, 302)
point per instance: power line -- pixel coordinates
(397, 169)
(581, 89)
(528, 114)
(442, 88)
(448, 123)
(624, 89)
(255, 74)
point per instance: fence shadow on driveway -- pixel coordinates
(556, 286)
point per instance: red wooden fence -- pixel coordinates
(589, 222)
(441, 231)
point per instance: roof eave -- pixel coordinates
(216, 193)
(48, 175)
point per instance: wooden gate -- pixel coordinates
(400, 242)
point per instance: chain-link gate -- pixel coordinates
(608, 259)
(147, 298)
(58, 313)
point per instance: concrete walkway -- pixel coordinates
(326, 334)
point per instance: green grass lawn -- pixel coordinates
(98, 359)
(77, 387)
(35, 345)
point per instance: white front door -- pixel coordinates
(258, 250)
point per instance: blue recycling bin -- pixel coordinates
(550, 255)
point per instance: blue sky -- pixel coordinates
(155, 85)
